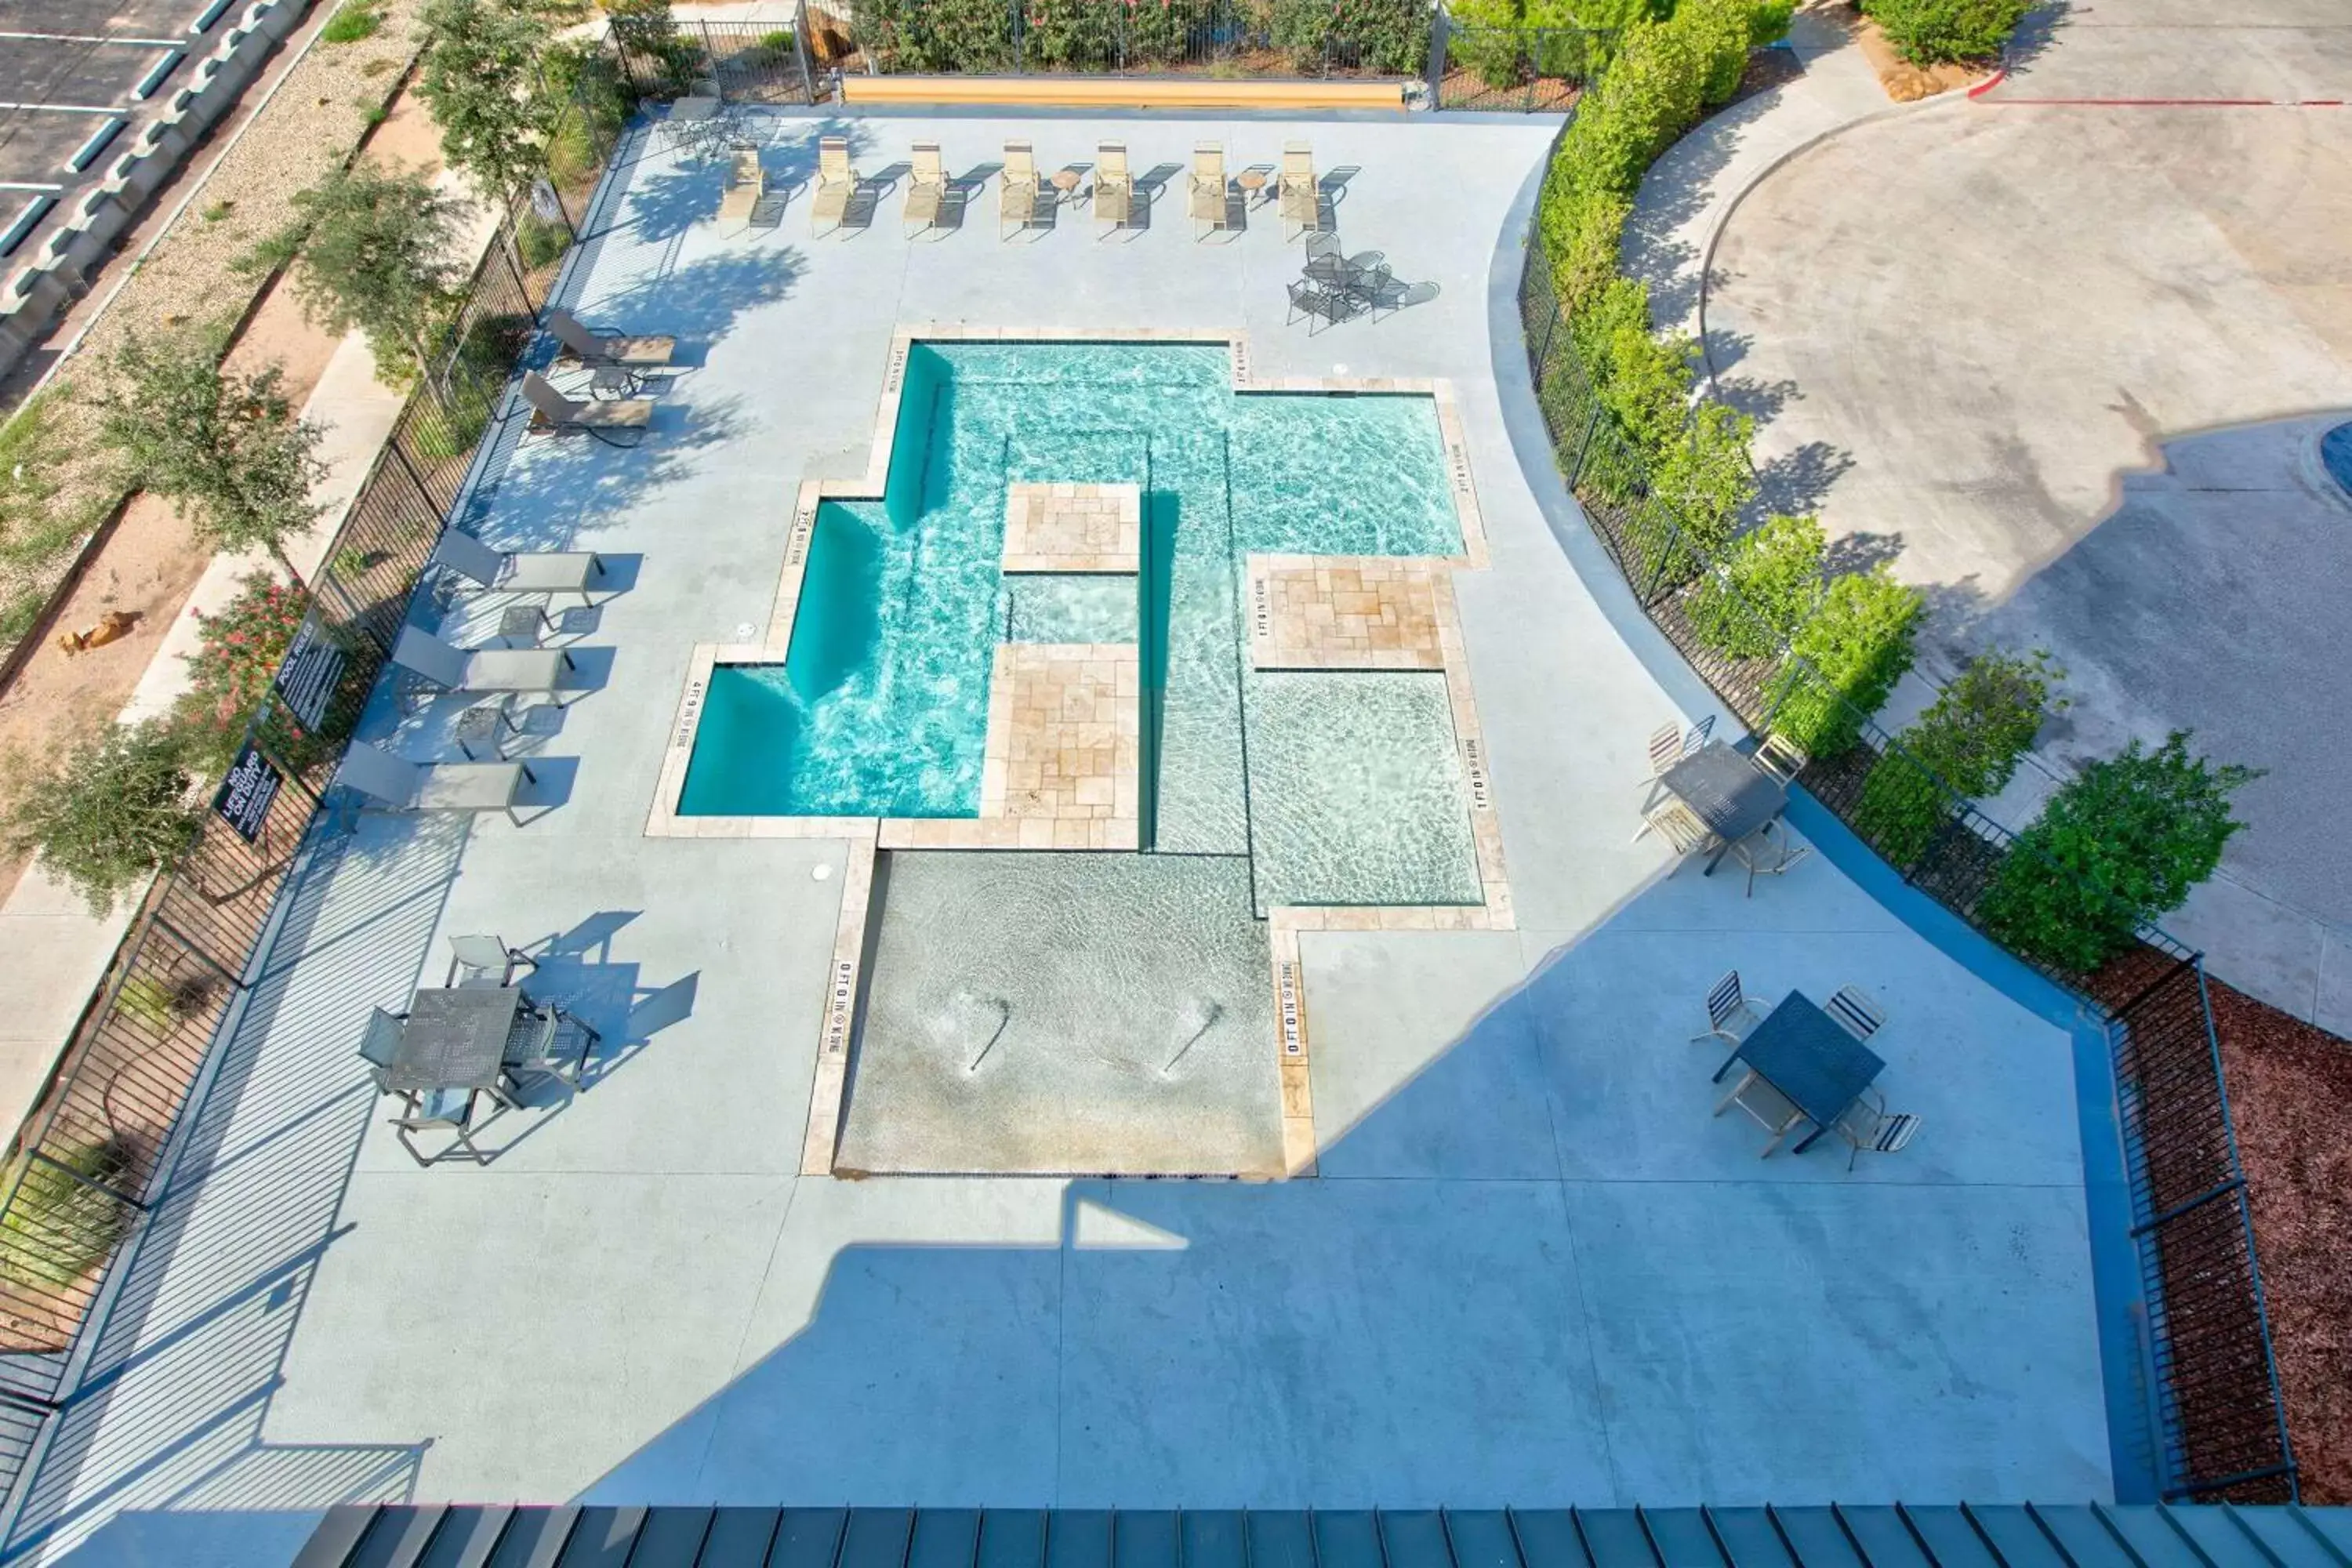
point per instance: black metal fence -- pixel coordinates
(84, 1169)
(2223, 1422)
(1525, 69)
(748, 62)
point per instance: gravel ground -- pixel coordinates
(320, 113)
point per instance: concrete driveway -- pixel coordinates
(2064, 364)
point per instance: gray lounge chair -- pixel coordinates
(534, 571)
(619, 423)
(482, 670)
(405, 785)
(583, 345)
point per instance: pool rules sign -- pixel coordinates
(246, 793)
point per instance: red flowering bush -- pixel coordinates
(233, 663)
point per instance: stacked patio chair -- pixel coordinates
(1114, 187)
(1211, 201)
(622, 422)
(1301, 195)
(1016, 207)
(836, 183)
(927, 189)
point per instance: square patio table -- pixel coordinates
(456, 1038)
(1808, 1056)
(1729, 794)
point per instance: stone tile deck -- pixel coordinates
(1064, 744)
(1347, 612)
(1073, 528)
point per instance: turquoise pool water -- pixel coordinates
(880, 707)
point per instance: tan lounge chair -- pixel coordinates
(1017, 197)
(527, 669)
(746, 183)
(1210, 200)
(405, 785)
(836, 182)
(552, 412)
(927, 189)
(585, 347)
(1114, 186)
(1302, 197)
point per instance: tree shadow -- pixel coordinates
(1799, 481)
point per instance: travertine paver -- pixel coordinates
(1073, 528)
(1347, 612)
(1064, 744)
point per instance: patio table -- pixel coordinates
(1803, 1052)
(1729, 794)
(454, 1038)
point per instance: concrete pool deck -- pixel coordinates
(1533, 1267)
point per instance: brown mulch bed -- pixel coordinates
(1768, 69)
(2290, 1087)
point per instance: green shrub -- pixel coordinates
(940, 34)
(2121, 844)
(108, 809)
(775, 47)
(160, 1006)
(1931, 32)
(541, 242)
(1718, 31)
(60, 1228)
(1768, 582)
(1967, 745)
(1767, 23)
(1844, 660)
(237, 658)
(353, 20)
(1069, 35)
(1389, 37)
(1488, 43)
(1704, 476)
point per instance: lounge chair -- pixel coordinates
(1114, 186)
(535, 572)
(1302, 197)
(1211, 201)
(592, 349)
(836, 183)
(927, 189)
(746, 183)
(555, 414)
(405, 785)
(481, 669)
(1017, 199)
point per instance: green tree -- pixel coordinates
(1704, 477)
(1844, 660)
(1965, 746)
(481, 76)
(226, 449)
(2121, 844)
(1768, 584)
(109, 809)
(375, 249)
(1930, 32)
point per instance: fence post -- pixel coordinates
(184, 939)
(96, 1186)
(710, 59)
(1543, 354)
(1591, 429)
(801, 48)
(1440, 23)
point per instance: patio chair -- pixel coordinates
(405, 785)
(1666, 749)
(380, 1046)
(473, 958)
(1016, 201)
(836, 183)
(482, 670)
(1769, 852)
(1781, 757)
(746, 182)
(1866, 1124)
(450, 1111)
(1855, 1013)
(1730, 1014)
(1114, 187)
(1673, 821)
(536, 1044)
(1211, 202)
(927, 189)
(582, 345)
(619, 423)
(1301, 195)
(1770, 1110)
(534, 571)
(1317, 303)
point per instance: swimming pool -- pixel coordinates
(880, 706)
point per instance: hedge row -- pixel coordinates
(1391, 36)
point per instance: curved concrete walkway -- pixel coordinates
(2063, 365)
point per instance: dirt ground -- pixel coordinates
(151, 563)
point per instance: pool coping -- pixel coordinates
(866, 835)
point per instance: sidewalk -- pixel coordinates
(56, 951)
